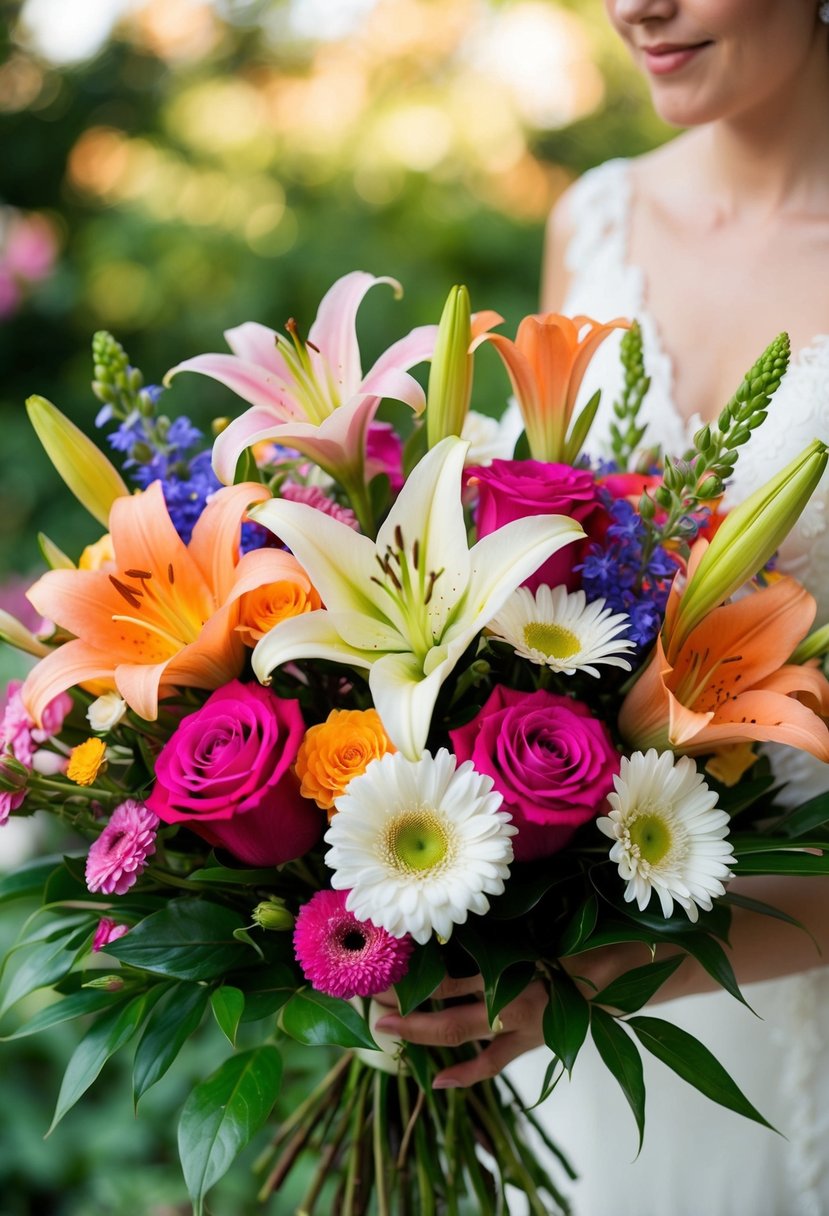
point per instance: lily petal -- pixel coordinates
(75, 662)
(334, 331)
(310, 636)
(255, 343)
(404, 699)
(215, 540)
(258, 385)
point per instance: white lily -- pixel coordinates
(406, 606)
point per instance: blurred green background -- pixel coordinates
(171, 168)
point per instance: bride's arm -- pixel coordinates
(762, 947)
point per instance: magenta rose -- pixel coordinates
(514, 489)
(226, 772)
(550, 759)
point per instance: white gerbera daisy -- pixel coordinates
(419, 844)
(559, 629)
(670, 837)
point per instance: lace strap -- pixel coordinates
(599, 209)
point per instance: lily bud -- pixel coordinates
(272, 914)
(450, 376)
(16, 634)
(746, 539)
(91, 477)
(813, 646)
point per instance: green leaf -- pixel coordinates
(266, 989)
(109, 1033)
(426, 970)
(527, 886)
(495, 949)
(168, 1028)
(316, 1019)
(228, 1005)
(27, 880)
(629, 992)
(190, 939)
(223, 1113)
(74, 1006)
(566, 1020)
(581, 428)
(784, 863)
(745, 846)
(710, 955)
(509, 985)
(227, 876)
(246, 468)
(803, 819)
(620, 1055)
(693, 1062)
(41, 965)
(764, 909)
(579, 927)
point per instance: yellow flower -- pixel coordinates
(338, 749)
(265, 607)
(86, 761)
(100, 556)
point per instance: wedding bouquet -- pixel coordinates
(343, 706)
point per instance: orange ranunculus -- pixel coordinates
(546, 364)
(165, 615)
(265, 607)
(338, 749)
(729, 682)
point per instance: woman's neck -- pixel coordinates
(774, 157)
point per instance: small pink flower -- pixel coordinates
(107, 931)
(18, 732)
(9, 801)
(343, 956)
(314, 497)
(120, 853)
(384, 454)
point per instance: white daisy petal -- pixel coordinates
(559, 629)
(431, 837)
(668, 834)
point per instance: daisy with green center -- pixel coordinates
(419, 844)
(669, 835)
(559, 629)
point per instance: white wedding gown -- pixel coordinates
(698, 1158)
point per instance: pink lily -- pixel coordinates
(312, 395)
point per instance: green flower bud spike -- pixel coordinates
(450, 376)
(272, 914)
(746, 539)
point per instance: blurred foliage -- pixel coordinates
(202, 170)
(216, 163)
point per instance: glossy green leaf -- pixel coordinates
(426, 970)
(509, 985)
(228, 1005)
(784, 863)
(316, 1019)
(764, 909)
(64, 1010)
(693, 1062)
(804, 819)
(266, 989)
(579, 927)
(227, 876)
(710, 955)
(746, 846)
(620, 1055)
(223, 1113)
(110, 1032)
(168, 1028)
(41, 964)
(190, 939)
(527, 886)
(629, 992)
(27, 879)
(566, 1020)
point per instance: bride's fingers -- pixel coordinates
(492, 1060)
(444, 1028)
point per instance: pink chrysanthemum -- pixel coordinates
(18, 732)
(343, 956)
(9, 801)
(107, 931)
(120, 853)
(313, 496)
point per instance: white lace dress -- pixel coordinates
(699, 1159)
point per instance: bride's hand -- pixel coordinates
(516, 1029)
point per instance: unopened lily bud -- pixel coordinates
(105, 713)
(450, 376)
(813, 646)
(746, 539)
(272, 914)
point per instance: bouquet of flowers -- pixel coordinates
(343, 707)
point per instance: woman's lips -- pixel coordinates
(666, 58)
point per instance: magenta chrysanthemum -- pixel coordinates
(120, 853)
(314, 497)
(106, 932)
(343, 956)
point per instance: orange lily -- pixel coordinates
(729, 683)
(164, 614)
(546, 364)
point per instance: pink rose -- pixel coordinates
(514, 489)
(226, 772)
(550, 759)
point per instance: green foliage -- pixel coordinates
(190, 939)
(318, 1020)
